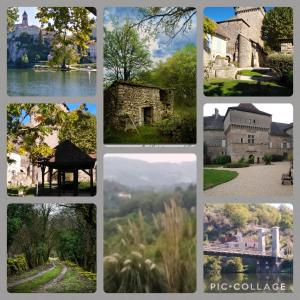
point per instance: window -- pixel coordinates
(271, 144)
(250, 139)
(253, 121)
(242, 140)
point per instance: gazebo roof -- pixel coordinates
(69, 156)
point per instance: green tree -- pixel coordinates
(212, 264)
(12, 17)
(233, 265)
(80, 128)
(277, 24)
(238, 214)
(209, 26)
(125, 53)
(72, 27)
(178, 72)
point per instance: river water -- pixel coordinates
(248, 283)
(27, 82)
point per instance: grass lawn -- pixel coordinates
(145, 135)
(252, 73)
(29, 273)
(216, 177)
(73, 282)
(30, 286)
(232, 87)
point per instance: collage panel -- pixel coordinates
(150, 223)
(248, 149)
(248, 248)
(51, 149)
(51, 248)
(149, 75)
(248, 51)
(51, 51)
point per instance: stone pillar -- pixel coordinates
(275, 241)
(261, 240)
(245, 52)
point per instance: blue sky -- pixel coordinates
(90, 106)
(31, 12)
(160, 46)
(221, 13)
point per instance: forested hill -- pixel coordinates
(138, 174)
(226, 220)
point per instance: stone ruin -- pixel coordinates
(221, 68)
(129, 105)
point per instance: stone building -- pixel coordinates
(244, 44)
(246, 132)
(128, 105)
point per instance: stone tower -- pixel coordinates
(275, 241)
(261, 240)
(25, 19)
(254, 17)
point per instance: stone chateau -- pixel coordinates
(128, 105)
(246, 131)
(237, 42)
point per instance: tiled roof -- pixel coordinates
(214, 123)
(247, 107)
(279, 129)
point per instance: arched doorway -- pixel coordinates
(251, 159)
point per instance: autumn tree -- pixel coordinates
(27, 126)
(277, 24)
(12, 17)
(125, 53)
(72, 28)
(80, 128)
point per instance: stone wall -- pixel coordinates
(287, 48)
(280, 145)
(214, 145)
(124, 105)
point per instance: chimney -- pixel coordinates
(216, 112)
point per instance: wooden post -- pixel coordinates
(75, 182)
(64, 181)
(59, 182)
(43, 176)
(50, 177)
(91, 181)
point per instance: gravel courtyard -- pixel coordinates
(256, 180)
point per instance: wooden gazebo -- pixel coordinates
(67, 158)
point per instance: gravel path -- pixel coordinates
(257, 180)
(15, 283)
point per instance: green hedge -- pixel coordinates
(277, 157)
(16, 265)
(222, 160)
(282, 66)
(237, 165)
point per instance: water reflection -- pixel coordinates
(27, 82)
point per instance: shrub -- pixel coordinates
(277, 157)
(242, 159)
(222, 160)
(251, 160)
(16, 265)
(282, 66)
(237, 165)
(267, 159)
(181, 130)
